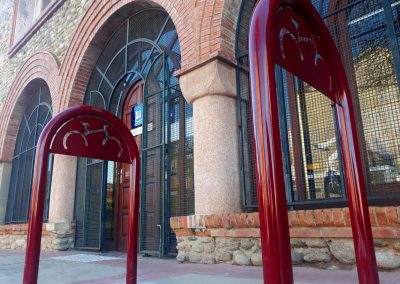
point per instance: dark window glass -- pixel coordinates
(37, 114)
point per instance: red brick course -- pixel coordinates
(319, 223)
(19, 229)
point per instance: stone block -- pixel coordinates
(256, 259)
(181, 246)
(240, 258)
(195, 258)
(209, 248)
(297, 258)
(343, 251)
(223, 256)
(227, 244)
(396, 246)
(181, 257)
(380, 244)
(208, 259)
(315, 243)
(317, 257)
(296, 243)
(387, 260)
(197, 247)
(246, 244)
(207, 240)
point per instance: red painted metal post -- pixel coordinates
(274, 227)
(36, 215)
(131, 262)
(356, 193)
(317, 62)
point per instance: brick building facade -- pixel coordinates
(185, 63)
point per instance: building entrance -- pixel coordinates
(134, 72)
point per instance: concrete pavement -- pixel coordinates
(79, 267)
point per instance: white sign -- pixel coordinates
(137, 131)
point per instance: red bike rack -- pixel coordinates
(89, 132)
(291, 34)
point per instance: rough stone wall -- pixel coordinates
(327, 254)
(5, 28)
(319, 238)
(53, 36)
(55, 236)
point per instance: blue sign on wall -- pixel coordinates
(137, 116)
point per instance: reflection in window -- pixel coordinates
(28, 12)
(367, 37)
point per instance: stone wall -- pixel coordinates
(323, 239)
(53, 36)
(55, 236)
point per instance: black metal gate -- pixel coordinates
(144, 48)
(367, 34)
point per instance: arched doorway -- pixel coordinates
(149, 56)
(37, 113)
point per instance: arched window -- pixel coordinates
(37, 114)
(134, 73)
(366, 34)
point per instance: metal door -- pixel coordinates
(153, 155)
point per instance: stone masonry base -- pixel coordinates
(319, 238)
(55, 236)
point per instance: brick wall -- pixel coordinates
(317, 237)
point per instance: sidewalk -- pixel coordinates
(80, 267)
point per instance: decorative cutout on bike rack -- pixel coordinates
(92, 133)
(298, 48)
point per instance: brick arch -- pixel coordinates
(216, 28)
(42, 65)
(98, 24)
